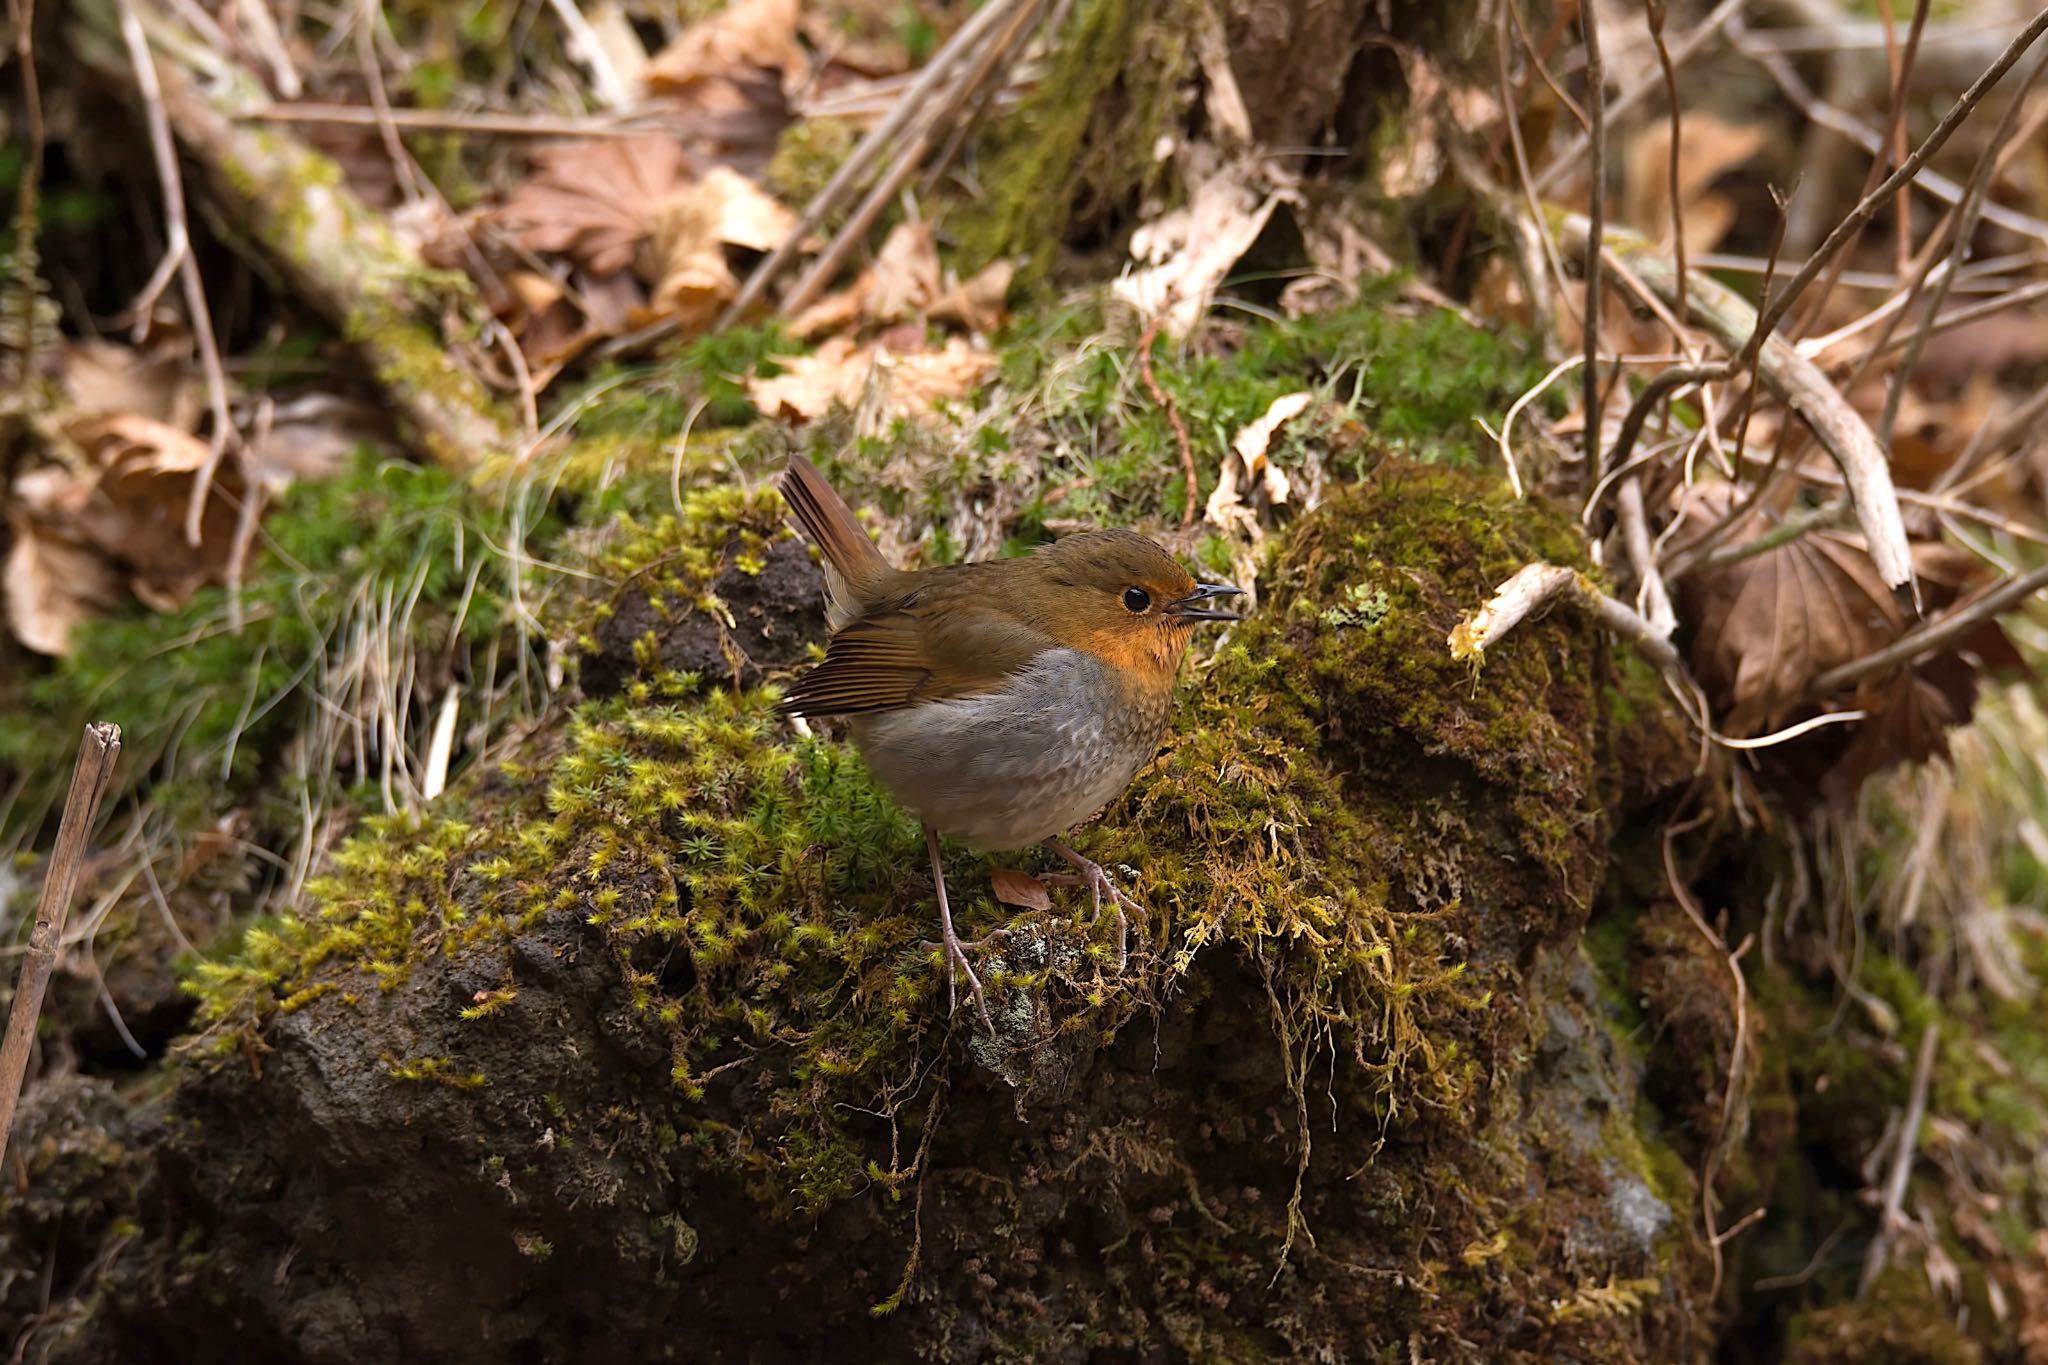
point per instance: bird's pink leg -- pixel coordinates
(956, 952)
(1097, 881)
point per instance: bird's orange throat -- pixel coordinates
(1145, 660)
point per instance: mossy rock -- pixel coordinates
(638, 1049)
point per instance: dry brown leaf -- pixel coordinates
(100, 376)
(1765, 627)
(880, 385)
(1708, 148)
(692, 278)
(712, 64)
(905, 275)
(52, 587)
(834, 313)
(979, 304)
(596, 201)
(1182, 257)
(1247, 475)
(135, 514)
(1020, 889)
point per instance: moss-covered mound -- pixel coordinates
(638, 1049)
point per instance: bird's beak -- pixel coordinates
(1196, 605)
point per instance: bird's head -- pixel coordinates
(1122, 598)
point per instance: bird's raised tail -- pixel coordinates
(855, 571)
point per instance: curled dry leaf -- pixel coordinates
(1248, 477)
(880, 385)
(1178, 260)
(687, 263)
(52, 586)
(596, 201)
(1020, 889)
(99, 376)
(906, 284)
(81, 535)
(715, 64)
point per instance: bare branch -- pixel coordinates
(97, 754)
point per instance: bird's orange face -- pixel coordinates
(1122, 598)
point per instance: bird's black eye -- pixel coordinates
(1136, 600)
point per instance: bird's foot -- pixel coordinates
(1091, 874)
(956, 951)
(957, 965)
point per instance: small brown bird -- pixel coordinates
(1001, 702)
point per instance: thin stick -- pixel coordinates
(1172, 411)
(1654, 13)
(1902, 1159)
(1794, 381)
(1596, 103)
(1867, 207)
(89, 780)
(862, 160)
(1568, 159)
(1933, 634)
(1535, 585)
(1966, 228)
(165, 153)
(1895, 135)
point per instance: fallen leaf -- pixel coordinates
(687, 264)
(1708, 148)
(1178, 260)
(135, 513)
(979, 304)
(905, 275)
(100, 376)
(712, 63)
(1247, 473)
(596, 201)
(1020, 889)
(52, 587)
(1764, 628)
(878, 384)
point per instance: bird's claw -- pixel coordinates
(1091, 874)
(956, 963)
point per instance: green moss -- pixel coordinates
(682, 824)
(807, 155)
(384, 551)
(1085, 139)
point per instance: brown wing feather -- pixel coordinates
(927, 647)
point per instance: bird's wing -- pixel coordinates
(924, 648)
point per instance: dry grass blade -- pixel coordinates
(97, 754)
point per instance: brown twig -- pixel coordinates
(1894, 133)
(983, 65)
(1654, 13)
(1596, 104)
(1535, 585)
(1172, 411)
(178, 256)
(862, 160)
(1967, 215)
(1791, 378)
(1935, 633)
(1716, 1237)
(23, 17)
(89, 779)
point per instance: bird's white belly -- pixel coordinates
(1012, 767)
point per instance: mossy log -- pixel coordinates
(638, 1049)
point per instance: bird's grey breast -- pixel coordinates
(1007, 768)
